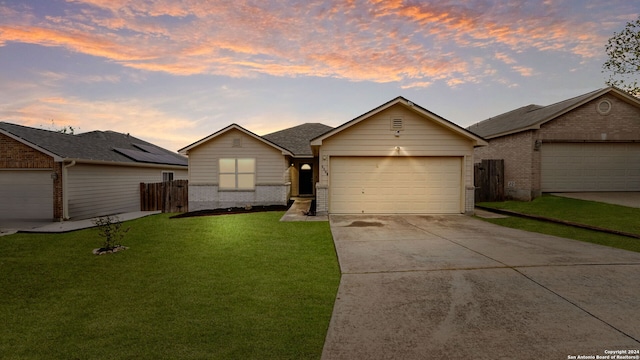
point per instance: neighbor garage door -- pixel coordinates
(395, 185)
(26, 194)
(590, 167)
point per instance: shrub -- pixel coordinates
(110, 228)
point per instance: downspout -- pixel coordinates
(65, 196)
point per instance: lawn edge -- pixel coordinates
(558, 221)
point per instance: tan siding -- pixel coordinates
(271, 165)
(95, 190)
(420, 136)
(374, 137)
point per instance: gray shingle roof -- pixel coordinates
(95, 145)
(527, 117)
(297, 138)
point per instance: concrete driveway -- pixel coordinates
(454, 287)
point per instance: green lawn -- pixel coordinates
(592, 213)
(223, 287)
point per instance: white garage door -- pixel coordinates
(395, 185)
(26, 194)
(590, 167)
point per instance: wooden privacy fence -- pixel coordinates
(489, 180)
(168, 196)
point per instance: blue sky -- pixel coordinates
(172, 72)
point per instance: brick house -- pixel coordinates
(587, 143)
(47, 175)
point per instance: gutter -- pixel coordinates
(65, 196)
(133, 164)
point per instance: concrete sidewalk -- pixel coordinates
(12, 227)
(299, 211)
(454, 287)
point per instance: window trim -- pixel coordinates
(172, 173)
(236, 175)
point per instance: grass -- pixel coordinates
(224, 287)
(592, 213)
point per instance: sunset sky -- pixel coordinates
(172, 72)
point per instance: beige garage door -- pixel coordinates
(395, 185)
(26, 194)
(590, 167)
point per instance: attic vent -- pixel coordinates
(396, 124)
(604, 107)
(236, 143)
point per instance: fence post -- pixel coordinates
(489, 180)
(170, 196)
(143, 197)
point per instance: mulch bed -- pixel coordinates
(102, 251)
(233, 210)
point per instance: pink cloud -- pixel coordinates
(370, 40)
(523, 70)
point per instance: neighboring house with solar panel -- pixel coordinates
(587, 143)
(51, 175)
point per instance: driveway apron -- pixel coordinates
(454, 287)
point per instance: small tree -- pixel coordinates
(67, 130)
(623, 50)
(110, 228)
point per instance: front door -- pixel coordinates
(306, 179)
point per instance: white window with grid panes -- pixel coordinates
(237, 174)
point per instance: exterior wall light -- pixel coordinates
(537, 145)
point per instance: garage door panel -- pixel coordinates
(26, 194)
(395, 185)
(590, 167)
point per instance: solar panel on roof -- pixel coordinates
(149, 149)
(142, 156)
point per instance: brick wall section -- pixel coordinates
(470, 199)
(517, 152)
(322, 199)
(622, 123)
(523, 178)
(16, 155)
(204, 197)
(58, 211)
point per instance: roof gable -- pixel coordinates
(531, 117)
(424, 113)
(91, 146)
(185, 150)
